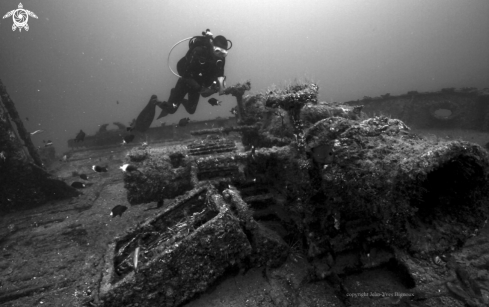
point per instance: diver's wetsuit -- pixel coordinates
(199, 69)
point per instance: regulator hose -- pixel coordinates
(168, 60)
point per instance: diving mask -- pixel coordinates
(220, 52)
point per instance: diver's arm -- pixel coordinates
(220, 76)
(222, 85)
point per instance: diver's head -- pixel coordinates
(220, 45)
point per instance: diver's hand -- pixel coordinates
(222, 84)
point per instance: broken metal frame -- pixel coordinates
(21, 133)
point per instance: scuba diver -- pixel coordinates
(200, 72)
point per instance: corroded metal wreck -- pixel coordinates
(165, 133)
(349, 192)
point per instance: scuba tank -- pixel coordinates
(194, 41)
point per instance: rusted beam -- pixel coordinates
(22, 132)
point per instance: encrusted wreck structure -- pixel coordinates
(166, 133)
(323, 180)
(463, 108)
(23, 180)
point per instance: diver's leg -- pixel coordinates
(191, 104)
(176, 97)
(178, 92)
(171, 106)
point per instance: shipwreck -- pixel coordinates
(24, 180)
(107, 138)
(347, 191)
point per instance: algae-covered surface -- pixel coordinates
(316, 205)
(54, 256)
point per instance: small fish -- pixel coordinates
(163, 124)
(253, 152)
(65, 157)
(80, 137)
(48, 143)
(117, 101)
(160, 203)
(27, 118)
(118, 210)
(128, 168)
(183, 122)
(136, 257)
(99, 169)
(83, 176)
(234, 111)
(214, 102)
(438, 261)
(336, 223)
(78, 185)
(128, 138)
(37, 132)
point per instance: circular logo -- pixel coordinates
(20, 18)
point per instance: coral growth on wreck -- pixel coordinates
(315, 180)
